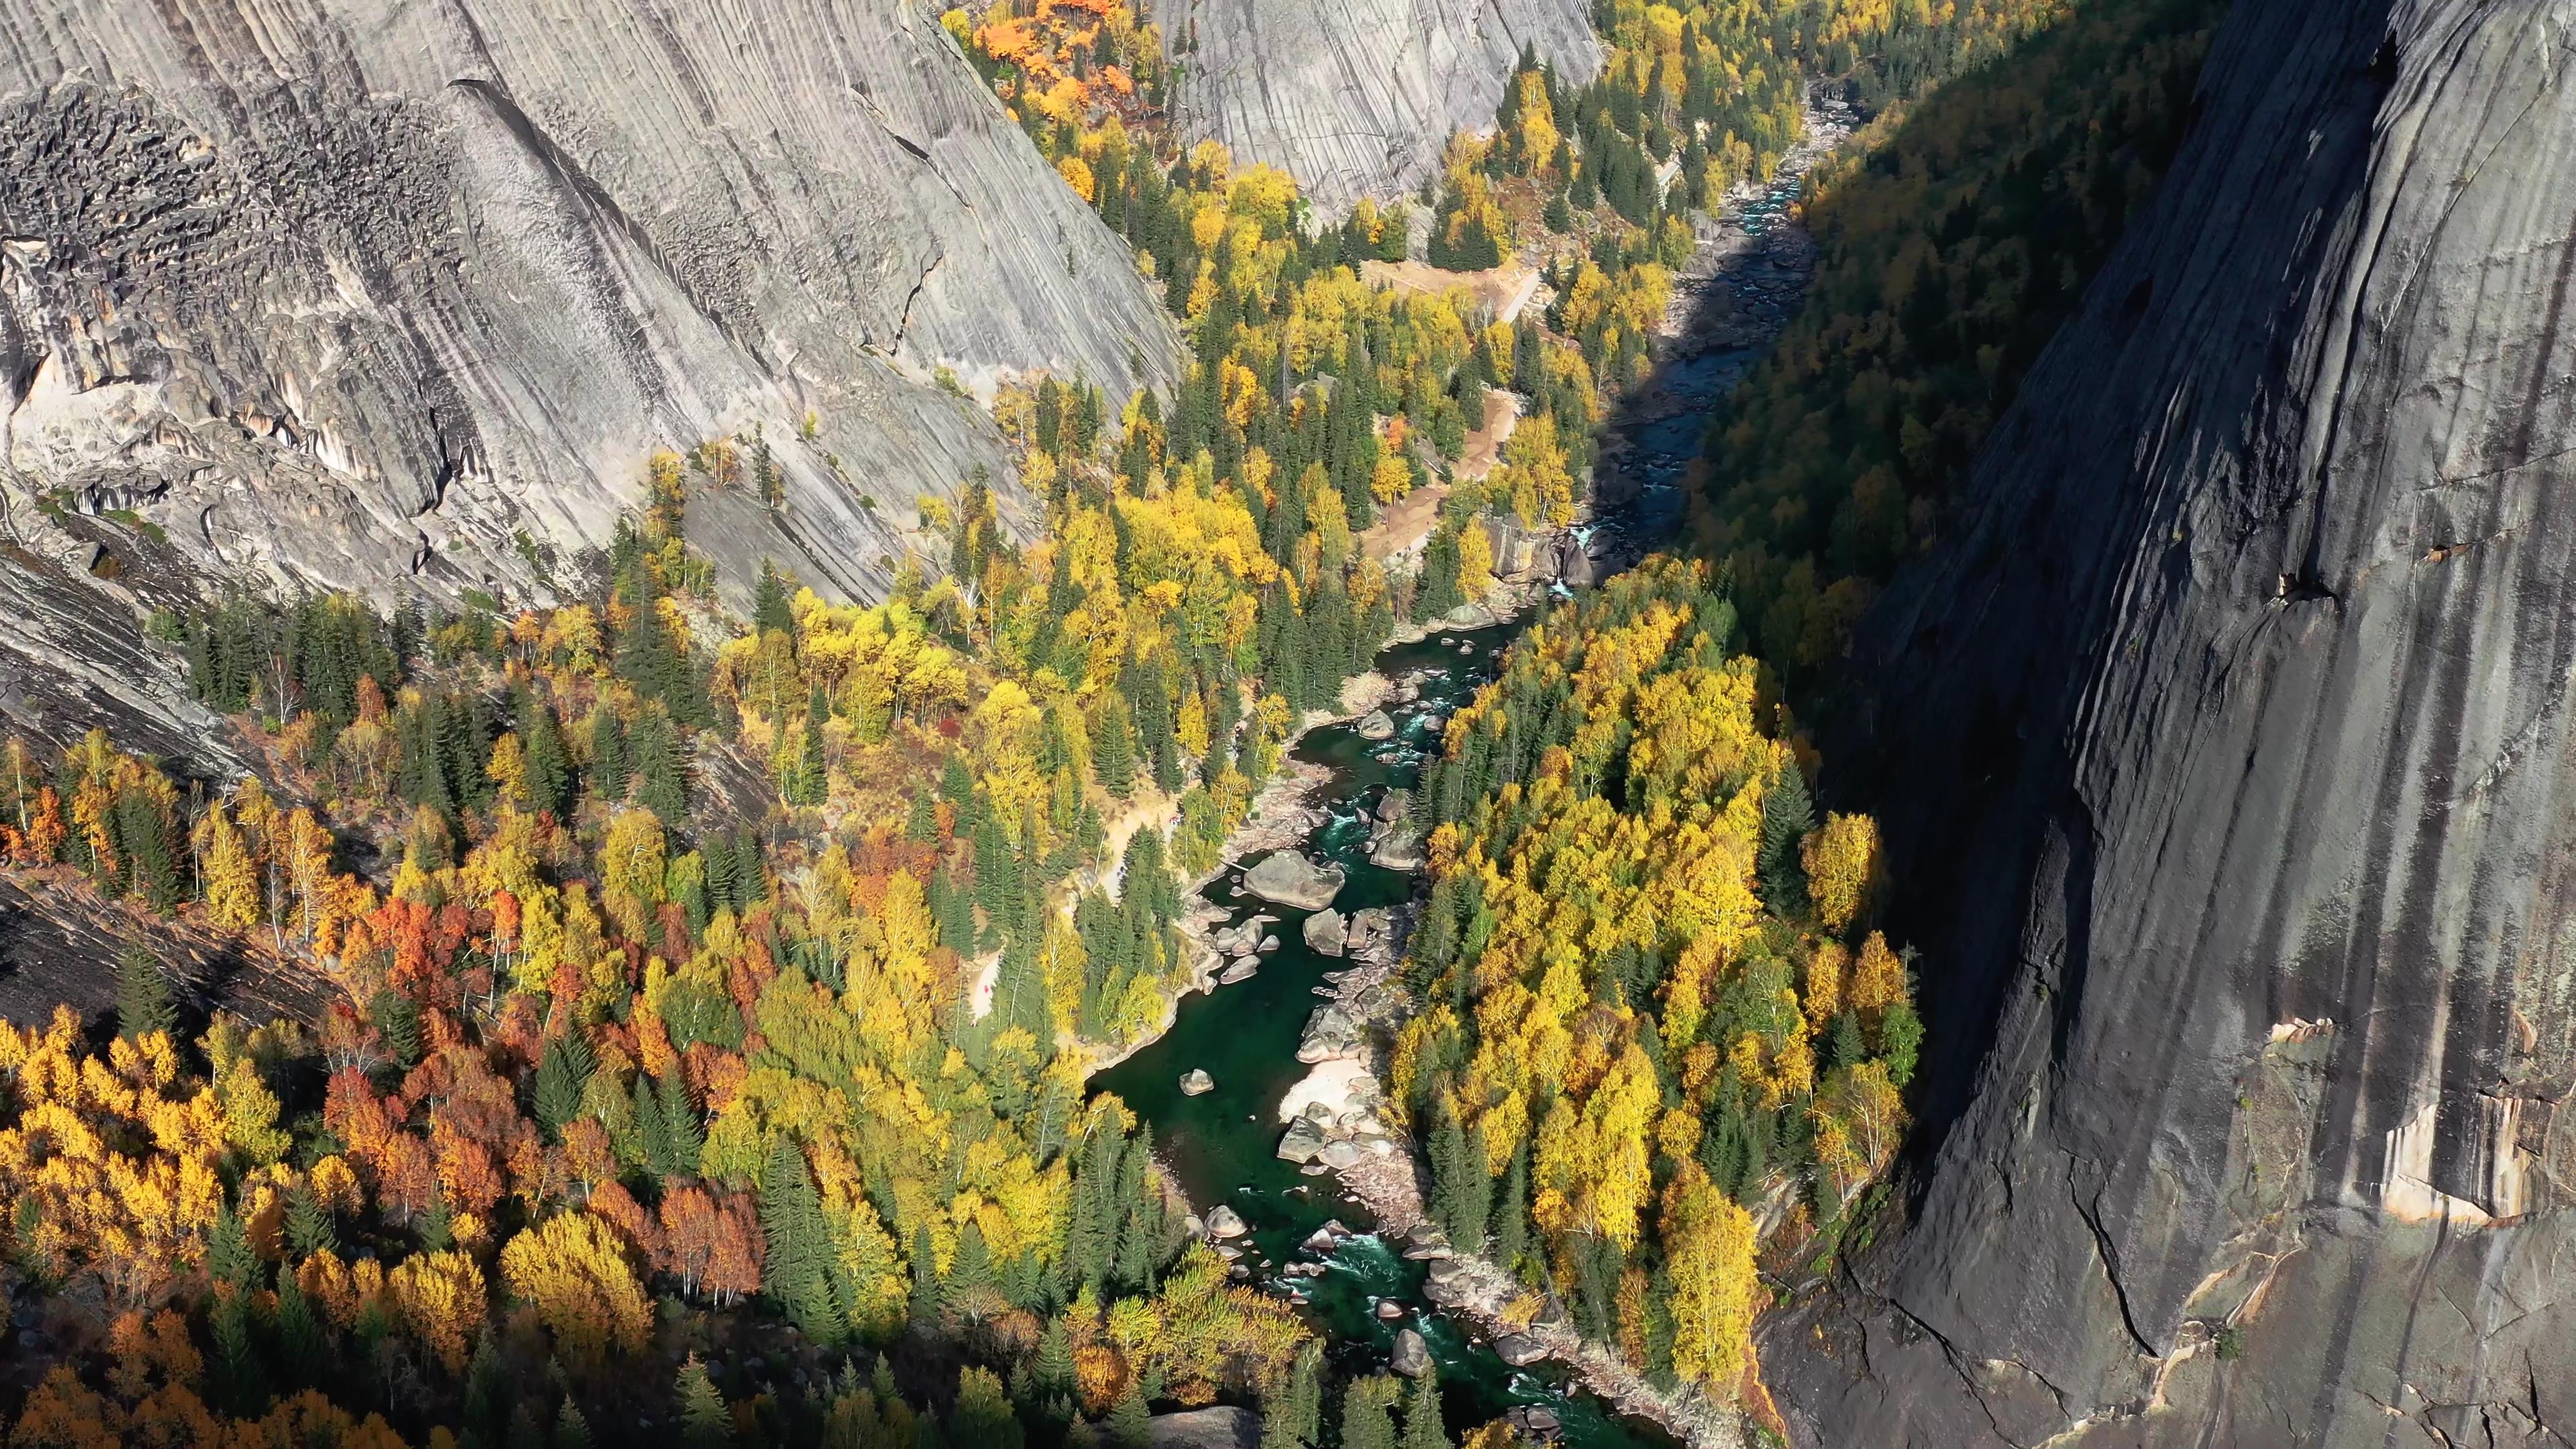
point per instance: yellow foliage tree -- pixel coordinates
(1841, 858)
(573, 1271)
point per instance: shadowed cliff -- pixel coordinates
(2224, 763)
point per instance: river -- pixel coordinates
(1221, 1145)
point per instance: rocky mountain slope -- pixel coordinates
(359, 293)
(1356, 97)
(2250, 918)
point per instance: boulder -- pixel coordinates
(1219, 1426)
(1197, 1083)
(1412, 1356)
(1339, 1155)
(1225, 1222)
(1519, 1349)
(1287, 878)
(1389, 1310)
(1326, 932)
(1241, 970)
(1395, 805)
(1303, 1140)
(1398, 846)
(1377, 724)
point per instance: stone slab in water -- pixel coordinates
(1197, 1083)
(1519, 1349)
(1326, 932)
(1287, 878)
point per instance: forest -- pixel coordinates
(711, 990)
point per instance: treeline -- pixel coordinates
(1955, 237)
(1654, 1020)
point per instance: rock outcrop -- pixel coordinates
(356, 293)
(1357, 97)
(2227, 764)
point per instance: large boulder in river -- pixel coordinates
(1519, 1349)
(1305, 1138)
(1224, 1222)
(1197, 1083)
(1377, 724)
(1219, 1426)
(1398, 847)
(1287, 878)
(1326, 932)
(1412, 1356)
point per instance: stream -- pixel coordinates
(1221, 1145)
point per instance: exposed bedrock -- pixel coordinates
(1357, 97)
(359, 293)
(2225, 760)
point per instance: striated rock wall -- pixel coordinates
(389, 294)
(2231, 779)
(1357, 97)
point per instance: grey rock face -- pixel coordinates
(378, 295)
(2228, 754)
(1357, 97)
(1219, 1426)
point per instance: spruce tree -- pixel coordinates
(1365, 1422)
(1422, 1426)
(607, 754)
(1113, 748)
(661, 771)
(1130, 1422)
(705, 1421)
(796, 1265)
(1293, 1418)
(302, 1348)
(1511, 1225)
(562, 1074)
(769, 603)
(549, 769)
(924, 1306)
(683, 1139)
(572, 1431)
(143, 1003)
(1787, 815)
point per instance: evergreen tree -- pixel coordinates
(661, 772)
(525, 1431)
(238, 1379)
(229, 1259)
(1365, 1422)
(607, 754)
(302, 1348)
(562, 1075)
(1113, 747)
(682, 1138)
(143, 1003)
(924, 1307)
(549, 768)
(1293, 1418)
(1130, 1422)
(1787, 815)
(572, 1431)
(1422, 1426)
(769, 603)
(309, 1228)
(705, 1421)
(796, 1266)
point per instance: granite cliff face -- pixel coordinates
(1357, 97)
(2231, 758)
(379, 294)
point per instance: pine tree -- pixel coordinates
(924, 1307)
(1365, 1422)
(796, 1267)
(562, 1075)
(1113, 748)
(1130, 1423)
(549, 770)
(705, 1421)
(1788, 814)
(1293, 1418)
(607, 754)
(309, 1228)
(239, 1380)
(302, 1349)
(661, 772)
(143, 1003)
(572, 1431)
(1422, 1426)
(769, 603)
(683, 1140)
